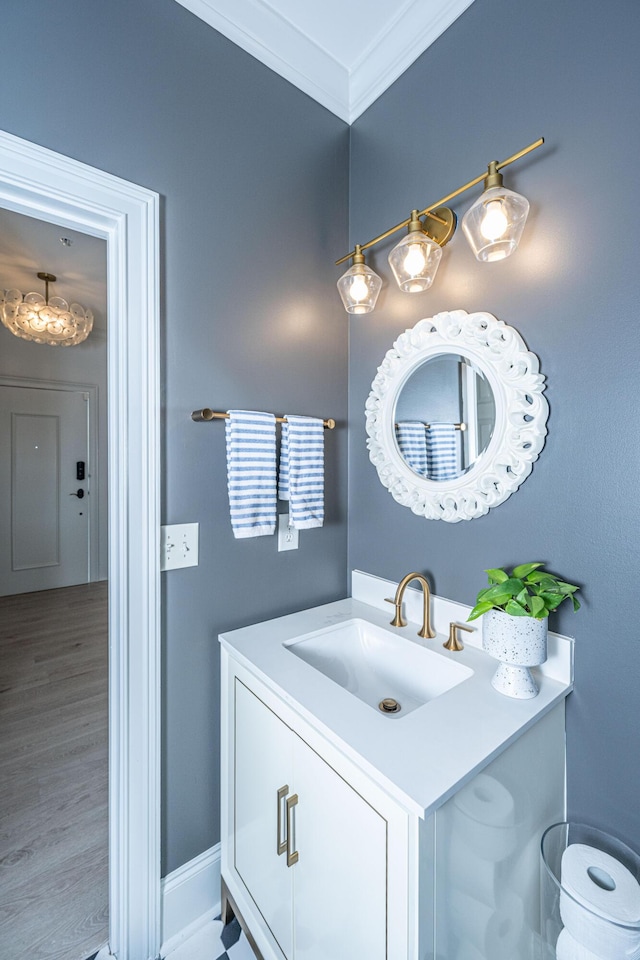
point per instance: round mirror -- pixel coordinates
(444, 417)
(456, 416)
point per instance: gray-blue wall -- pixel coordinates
(253, 177)
(502, 75)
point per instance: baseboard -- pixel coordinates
(190, 898)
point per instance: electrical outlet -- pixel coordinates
(287, 536)
(179, 546)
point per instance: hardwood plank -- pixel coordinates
(54, 782)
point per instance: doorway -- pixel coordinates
(54, 188)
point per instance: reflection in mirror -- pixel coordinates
(444, 417)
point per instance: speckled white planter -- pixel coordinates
(518, 643)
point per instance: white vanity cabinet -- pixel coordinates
(326, 855)
(314, 855)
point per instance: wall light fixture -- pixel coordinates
(493, 226)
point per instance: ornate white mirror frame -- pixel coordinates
(521, 414)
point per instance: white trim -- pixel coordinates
(345, 89)
(51, 187)
(279, 44)
(190, 898)
(396, 48)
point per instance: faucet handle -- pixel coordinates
(454, 642)
(398, 620)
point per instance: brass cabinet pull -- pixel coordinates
(281, 844)
(292, 855)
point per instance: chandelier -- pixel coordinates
(43, 320)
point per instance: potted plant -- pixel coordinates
(515, 607)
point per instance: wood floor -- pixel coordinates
(53, 773)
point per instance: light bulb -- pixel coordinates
(359, 290)
(414, 262)
(494, 223)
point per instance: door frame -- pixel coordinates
(93, 503)
(47, 185)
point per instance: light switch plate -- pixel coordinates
(179, 546)
(287, 536)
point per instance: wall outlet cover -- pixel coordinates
(287, 536)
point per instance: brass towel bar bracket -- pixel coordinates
(205, 415)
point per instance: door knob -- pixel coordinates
(79, 494)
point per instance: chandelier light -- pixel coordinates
(43, 319)
(493, 227)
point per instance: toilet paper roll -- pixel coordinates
(484, 816)
(568, 948)
(493, 932)
(600, 903)
(468, 873)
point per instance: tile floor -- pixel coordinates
(215, 942)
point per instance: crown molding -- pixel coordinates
(396, 48)
(347, 92)
(276, 42)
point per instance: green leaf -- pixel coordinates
(523, 598)
(515, 609)
(479, 609)
(498, 593)
(481, 593)
(537, 607)
(524, 570)
(566, 587)
(497, 575)
(552, 600)
(576, 604)
(538, 576)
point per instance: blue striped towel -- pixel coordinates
(251, 472)
(412, 443)
(442, 452)
(302, 471)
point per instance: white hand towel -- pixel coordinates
(251, 472)
(302, 471)
(442, 451)
(412, 443)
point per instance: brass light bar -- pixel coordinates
(427, 211)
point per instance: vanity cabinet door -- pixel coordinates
(263, 768)
(340, 879)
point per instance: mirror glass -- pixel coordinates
(444, 417)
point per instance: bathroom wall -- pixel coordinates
(253, 177)
(504, 74)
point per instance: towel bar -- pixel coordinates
(206, 414)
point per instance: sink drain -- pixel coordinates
(389, 705)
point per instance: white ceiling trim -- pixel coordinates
(273, 39)
(278, 44)
(397, 48)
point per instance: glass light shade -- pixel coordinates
(415, 262)
(359, 288)
(54, 323)
(494, 224)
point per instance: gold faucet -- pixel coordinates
(398, 621)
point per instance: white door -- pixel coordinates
(263, 780)
(44, 512)
(340, 881)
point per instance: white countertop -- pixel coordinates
(421, 758)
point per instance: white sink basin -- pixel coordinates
(375, 664)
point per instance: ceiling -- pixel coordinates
(343, 53)
(28, 245)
